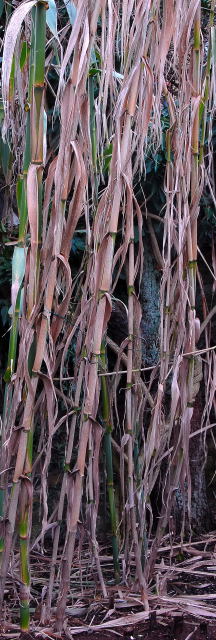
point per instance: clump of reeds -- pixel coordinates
(113, 80)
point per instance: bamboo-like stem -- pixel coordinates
(105, 284)
(195, 130)
(24, 458)
(22, 208)
(129, 107)
(175, 472)
(22, 180)
(107, 423)
(165, 354)
(169, 213)
(37, 143)
(93, 135)
(21, 192)
(206, 82)
(9, 531)
(22, 462)
(63, 489)
(92, 513)
(192, 229)
(24, 563)
(129, 416)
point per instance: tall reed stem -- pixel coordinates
(205, 97)
(64, 488)
(33, 202)
(21, 193)
(104, 288)
(107, 423)
(192, 228)
(93, 135)
(130, 417)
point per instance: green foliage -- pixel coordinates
(5, 158)
(107, 155)
(94, 71)
(24, 54)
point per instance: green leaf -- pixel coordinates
(12, 78)
(18, 271)
(51, 17)
(19, 189)
(5, 157)
(93, 71)
(98, 58)
(107, 155)
(24, 54)
(18, 264)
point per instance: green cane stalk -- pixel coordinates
(37, 131)
(192, 231)
(22, 210)
(22, 179)
(34, 143)
(24, 564)
(104, 288)
(195, 131)
(23, 216)
(204, 101)
(109, 464)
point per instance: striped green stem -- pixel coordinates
(23, 215)
(205, 97)
(192, 229)
(24, 564)
(21, 193)
(33, 156)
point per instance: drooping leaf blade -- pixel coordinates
(51, 17)
(71, 9)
